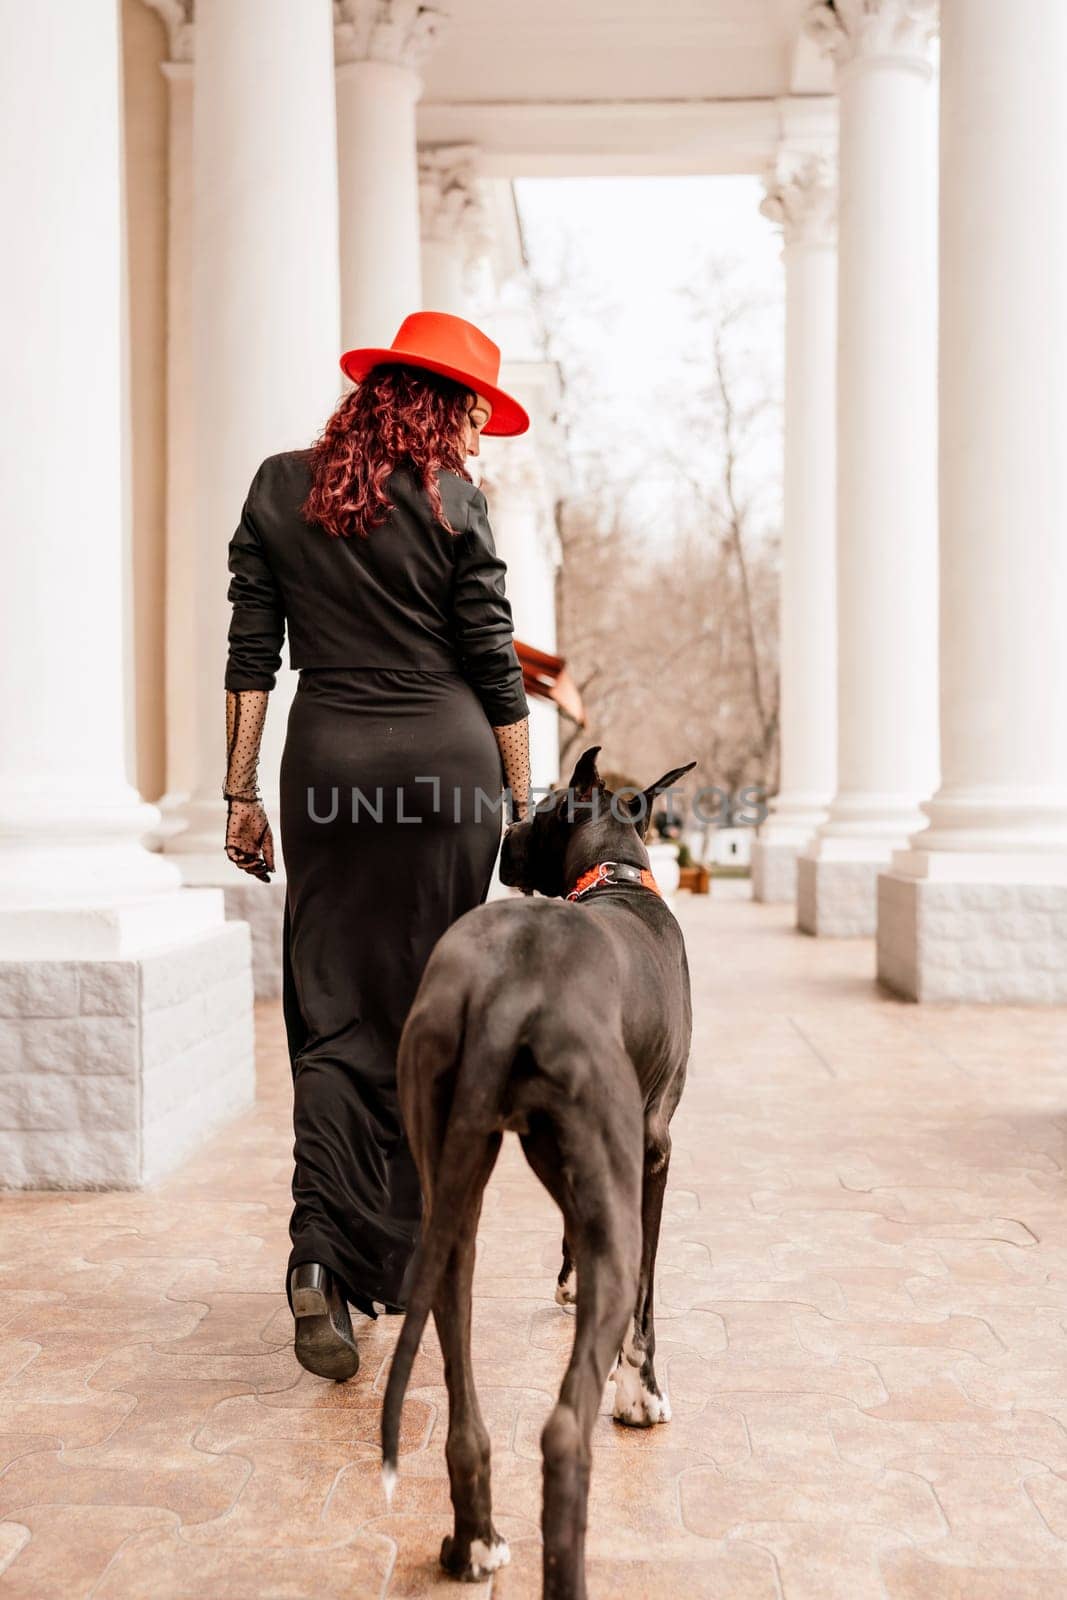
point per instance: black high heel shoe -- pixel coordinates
(324, 1341)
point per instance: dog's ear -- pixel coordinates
(668, 779)
(640, 805)
(585, 777)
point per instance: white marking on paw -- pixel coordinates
(567, 1291)
(388, 1483)
(488, 1557)
(634, 1404)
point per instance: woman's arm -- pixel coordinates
(483, 632)
(257, 629)
(513, 742)
(249, 841)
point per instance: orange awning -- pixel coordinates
(546, 678)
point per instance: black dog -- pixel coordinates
(568, 1024)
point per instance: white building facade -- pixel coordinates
(245, 188)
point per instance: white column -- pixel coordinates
(886, 502)
(524, 536)
(181, 552)
(802, 196)
(265, 327)
(379, 46)
(977, 908)
(454, 226)
(107, 967)
(70, 821)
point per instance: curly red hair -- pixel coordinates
(398, 416)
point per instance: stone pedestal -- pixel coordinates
(262, 907)
(774, 870)
(663, 860)
(836, 898)
(114, 1069)
(1004, 942)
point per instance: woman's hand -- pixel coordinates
(249, 842)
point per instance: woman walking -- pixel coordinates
(373, 548)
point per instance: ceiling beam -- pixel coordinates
(520, 139)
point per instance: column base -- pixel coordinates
(794, 818)
(261, 905)
(774, 871)
(837, 894)
(117, 1068)
(663, 860)
(128, 927)
(965, 940)
(172, 821)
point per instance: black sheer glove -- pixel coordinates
(249, 842)
(513, 742)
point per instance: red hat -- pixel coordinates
(454, 348)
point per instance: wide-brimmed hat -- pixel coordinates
(454, 348)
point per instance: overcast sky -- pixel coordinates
(636, 257)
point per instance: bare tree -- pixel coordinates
(671, 634)
(733, 478)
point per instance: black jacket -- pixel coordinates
(409, 595)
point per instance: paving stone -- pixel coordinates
(862, 1302)
(920, 1575)
(166, 1563)
(69, 1547)
(198, 1489)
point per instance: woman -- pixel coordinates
(374, 549)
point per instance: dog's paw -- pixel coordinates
(644, 1411)
(483, 1557)
(638, 1403)
(567, 1289)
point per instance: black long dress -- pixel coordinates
(390, 819)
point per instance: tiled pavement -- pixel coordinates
(863, 1323)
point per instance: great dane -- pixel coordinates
(566, 1021)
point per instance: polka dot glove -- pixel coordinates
(249, 842)
(513, 742)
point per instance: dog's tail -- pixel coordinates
(480, 1081)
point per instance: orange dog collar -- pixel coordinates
(613, 872)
